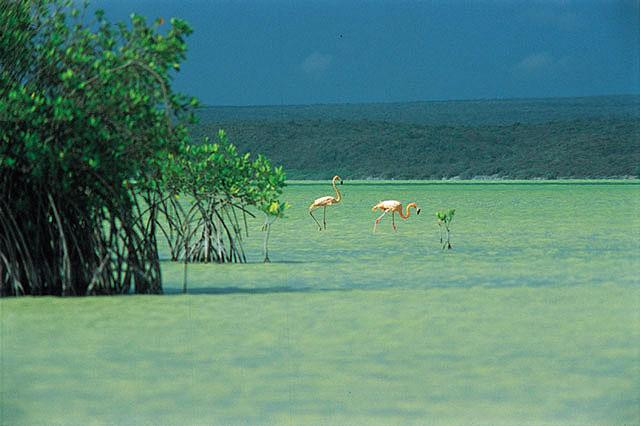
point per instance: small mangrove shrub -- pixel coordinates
(272, 211)
(444, 222)
(212, 189)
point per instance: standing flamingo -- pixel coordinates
(393, 206)
(326, 201)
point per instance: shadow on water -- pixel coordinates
(257, 262)
(244, 290)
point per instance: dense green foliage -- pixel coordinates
(90, 128)
(578, 143)
(85, 108)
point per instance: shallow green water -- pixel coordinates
(531, 318)
(503, 235)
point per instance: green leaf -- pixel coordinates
(67, 74)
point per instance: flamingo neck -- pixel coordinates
(338, 196)
(407, 214)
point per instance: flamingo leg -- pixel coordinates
(324, 217)
(375, 224)
(314, 218)
(393, 221)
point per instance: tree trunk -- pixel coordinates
(267, 226)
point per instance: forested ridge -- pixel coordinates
(594, 137)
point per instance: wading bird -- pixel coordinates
(326, 201)
(394, 207)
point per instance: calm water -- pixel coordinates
(503, 235)
(533, 317)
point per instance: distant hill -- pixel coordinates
(522, 138)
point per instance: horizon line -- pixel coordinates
(418, 101)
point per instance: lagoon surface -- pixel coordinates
(532, 317)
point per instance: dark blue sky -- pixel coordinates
(254, 52)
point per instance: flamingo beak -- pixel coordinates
(418, 211)
(341, 182)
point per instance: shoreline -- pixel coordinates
(477, 181)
